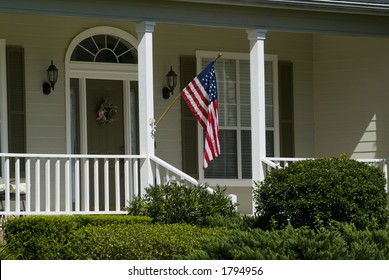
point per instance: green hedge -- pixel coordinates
(137, 242)
(342, 243)
(125, 237)
(44, 237)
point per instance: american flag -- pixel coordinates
(201, 96)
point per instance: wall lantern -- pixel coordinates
(52, 76)
(171, 81)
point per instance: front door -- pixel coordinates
(105, 132)
(105, 135)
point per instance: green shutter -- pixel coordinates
(286, 112)
(16, 100)
(189, 122)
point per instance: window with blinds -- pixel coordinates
(233, 81)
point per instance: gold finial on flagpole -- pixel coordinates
(218, 56)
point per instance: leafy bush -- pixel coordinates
(44, 237)
(317, 192)
(342, 243)
(136, 242)
(172, 203)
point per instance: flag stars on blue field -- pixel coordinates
(209, 82)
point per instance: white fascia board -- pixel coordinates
(362, 7)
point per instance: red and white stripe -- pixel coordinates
(197, 99)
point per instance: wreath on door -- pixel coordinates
(106, 112)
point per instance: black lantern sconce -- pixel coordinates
(171, 81)
(52, 76)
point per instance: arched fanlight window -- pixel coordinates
(105, 48)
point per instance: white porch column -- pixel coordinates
(3, 99)
(146, 99)
(257, 91)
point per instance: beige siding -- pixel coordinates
(45, 38)
(351, 96)
(297, 48)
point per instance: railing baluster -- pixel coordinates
(38, 185)
(28, 185)
(77, 179)
(57, 185)
(96, 183)
(135, 186)
(67, 185)
(117, 184)
(126, 181)
(47, 184)
(86, 185)
(7, 184)
(106, 184)
(157, 174)
(17, 185)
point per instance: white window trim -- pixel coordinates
(3, 98)
(243, 56)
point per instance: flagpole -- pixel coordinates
(168, 109)
(176, 99)
(218, 56)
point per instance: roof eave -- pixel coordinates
(364, 8)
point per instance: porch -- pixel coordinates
(322, 92)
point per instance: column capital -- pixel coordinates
(145, 26)
(256, 34)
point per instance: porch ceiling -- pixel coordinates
(333, 17)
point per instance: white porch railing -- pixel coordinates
(271, 163)
(167, 173)
(45, 184)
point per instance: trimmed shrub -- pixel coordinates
(316, 193)
(44, 237)
(172, 203)
(136, 242)
(342, 243)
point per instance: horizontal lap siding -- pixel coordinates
(297, 48)
(45, 39)
(351, 96)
